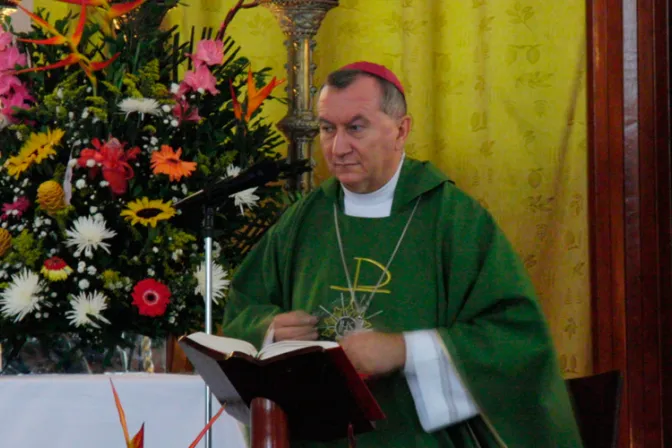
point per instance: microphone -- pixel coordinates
(258, 174)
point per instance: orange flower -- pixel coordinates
(74, 57)
(256, 97)
(138, 440)
(237, 108)
(167, 161)
(112, 11)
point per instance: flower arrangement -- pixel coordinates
(100, 134)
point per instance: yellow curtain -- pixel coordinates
(497, 94)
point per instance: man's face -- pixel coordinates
(361, 144)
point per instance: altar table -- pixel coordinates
(78, 411)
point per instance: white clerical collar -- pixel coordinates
(376, 204)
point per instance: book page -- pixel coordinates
(222, 344)
(278, 348)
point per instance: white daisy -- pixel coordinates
(88, 234)
(220, 283)
(23, 295)
(245, 197)
(232, 171)
(140, 105)
(84, 307)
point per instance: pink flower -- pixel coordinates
(10, 58)
(184, 112)
(16, 100)
(182, 90)
(8, 83)
(208, 52)
(22, 92)
(201, 79)
(16, 208)
(5, 40)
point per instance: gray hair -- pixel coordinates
(392, 103)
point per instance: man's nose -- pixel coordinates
(340, 147)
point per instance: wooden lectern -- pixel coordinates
(312, 394)
(269, 427)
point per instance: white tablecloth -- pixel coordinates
(78, 411)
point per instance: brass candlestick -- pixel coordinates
(300, 20)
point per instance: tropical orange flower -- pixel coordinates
(112, 10)
(74, 57)
(237, 108)
(139, 439)
(167, 161)
(254, 97)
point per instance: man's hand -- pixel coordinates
(374, 353)
(295, 325)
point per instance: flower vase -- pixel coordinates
(62, 355)
(143, 355)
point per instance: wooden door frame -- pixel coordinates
(629, 182)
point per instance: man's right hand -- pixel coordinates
(295, 325)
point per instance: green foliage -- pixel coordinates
(25, 250)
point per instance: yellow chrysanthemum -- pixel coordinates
(5, 242)
(37, 148)
(147, 212)
(51, 197)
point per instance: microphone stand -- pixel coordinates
(208, 230)
(216, 194)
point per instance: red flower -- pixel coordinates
(16, 208)
(55, 269)
(151, 297)
(113, 160)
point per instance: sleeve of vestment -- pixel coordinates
(440, 397)
(255, 294)
(496, 333)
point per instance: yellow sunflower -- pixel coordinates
(147, 212)
(37, 148)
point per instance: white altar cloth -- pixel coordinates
(78, 411)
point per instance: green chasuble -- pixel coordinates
(454, 272)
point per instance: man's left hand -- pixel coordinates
(374, 353)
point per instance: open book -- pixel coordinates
(222, 344)
(312, 381)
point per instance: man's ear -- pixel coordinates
(404, 128)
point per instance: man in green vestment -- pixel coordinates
(414, 279)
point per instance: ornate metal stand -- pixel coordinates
(6, 8)
(300, 20)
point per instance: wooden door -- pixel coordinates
(629, 115)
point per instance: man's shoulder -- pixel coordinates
(298, 209)
(425, 176)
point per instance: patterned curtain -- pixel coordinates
(497, 92)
